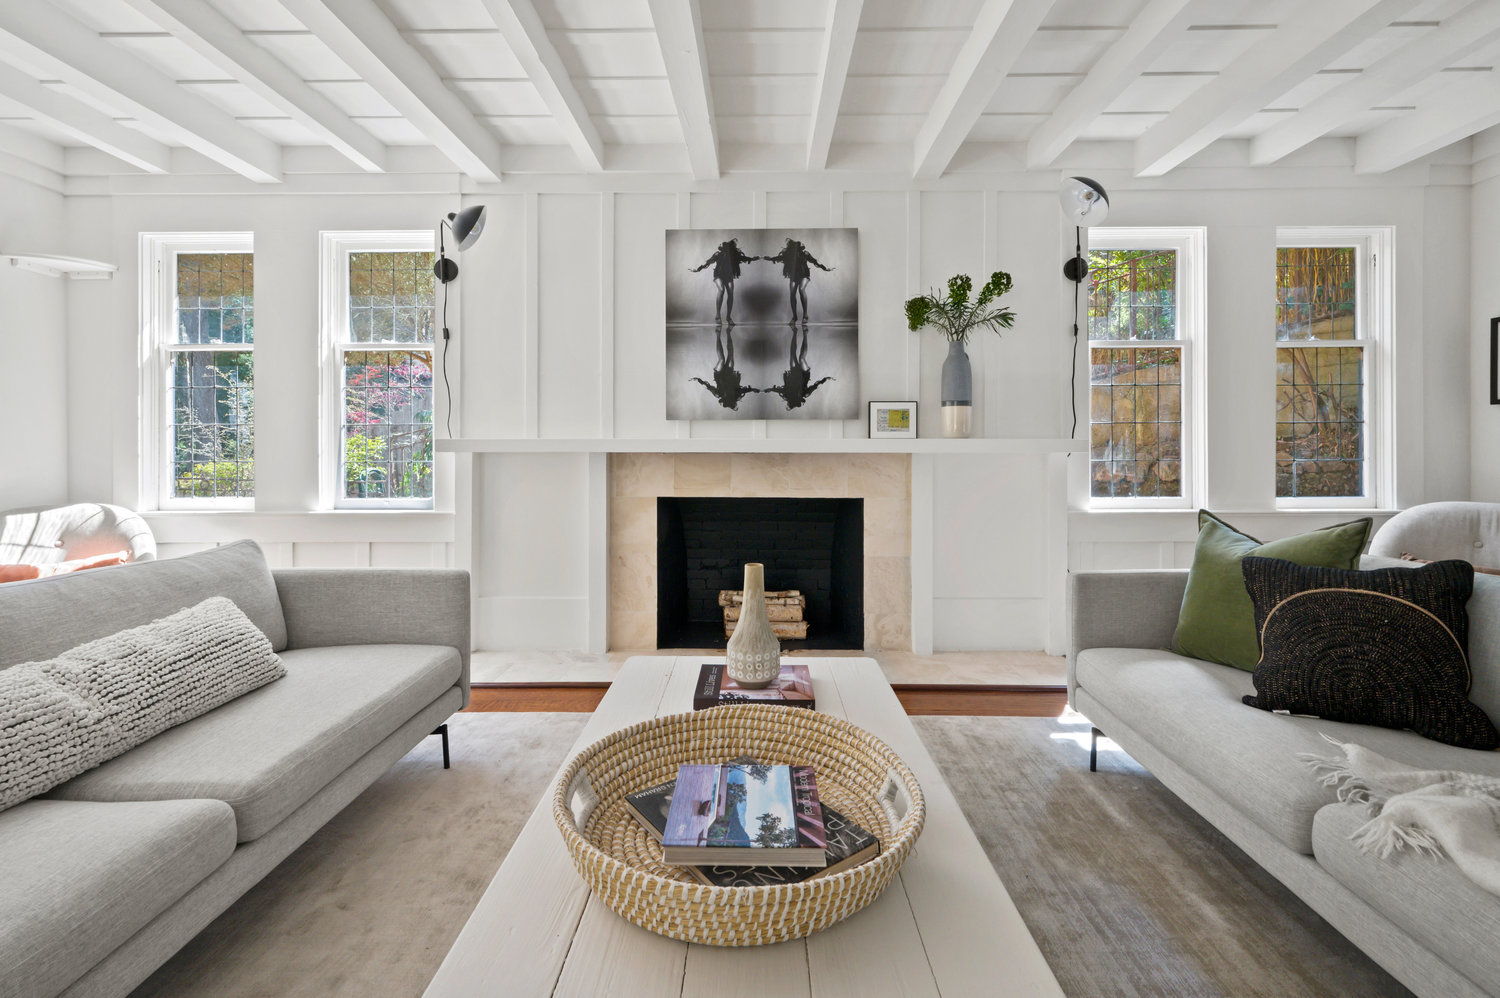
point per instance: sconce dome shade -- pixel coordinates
(1084, 201)
(467, 225)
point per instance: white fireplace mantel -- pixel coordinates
(759, 445)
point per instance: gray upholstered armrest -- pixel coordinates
(1122, 610)
(367, 606)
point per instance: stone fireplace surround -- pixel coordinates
(883, 481)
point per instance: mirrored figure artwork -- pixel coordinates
(762, 324)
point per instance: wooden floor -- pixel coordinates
(917, 698)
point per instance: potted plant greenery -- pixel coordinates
(955, 316)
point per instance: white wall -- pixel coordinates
(560, 335)
(34, 347)
(1485, 260)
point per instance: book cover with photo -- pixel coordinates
(745, 814)
(715, 688)
(849, 844)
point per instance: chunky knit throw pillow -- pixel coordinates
(67, 715)
(1387, 647)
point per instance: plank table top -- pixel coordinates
(944, 927)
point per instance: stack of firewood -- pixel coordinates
(784, 608)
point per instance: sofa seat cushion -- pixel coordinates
(1428, 897)
(82, 878)
(270, 750)
(1191, 710)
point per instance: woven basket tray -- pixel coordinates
(856, 772)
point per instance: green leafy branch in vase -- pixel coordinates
(954, 315)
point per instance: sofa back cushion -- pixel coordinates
(45, 617)
(1484, 644)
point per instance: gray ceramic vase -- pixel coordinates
(958, 391)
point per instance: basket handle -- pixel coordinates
(581, 797)
(895, 798)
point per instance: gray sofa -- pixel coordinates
(1181, 718)
(109, 874)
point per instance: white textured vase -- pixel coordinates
(753, 658)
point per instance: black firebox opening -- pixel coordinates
(813, 545)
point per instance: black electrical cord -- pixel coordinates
(443, 279)
(447, 388)
(1077, 286)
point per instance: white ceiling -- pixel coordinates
(241, 81)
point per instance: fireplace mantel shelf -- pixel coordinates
(759, 445)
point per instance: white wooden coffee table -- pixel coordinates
(944, 927)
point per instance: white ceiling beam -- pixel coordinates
(524, 32)
(1452, 114)
(1472, 28)
(1160, 24)
(1304, 43)
(42, 34)
(212, 35)
(1000, 32)
(679, 31)
(31, 158)
(81, 122)
(361, 35)
(838, 47)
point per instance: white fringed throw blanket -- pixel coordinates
(1430, 811)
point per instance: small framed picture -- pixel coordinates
(1494, 361)
(893, 420)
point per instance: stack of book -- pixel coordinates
(741, 824)
(793, 688)
(784, 608)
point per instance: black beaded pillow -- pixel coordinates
(1387, 647)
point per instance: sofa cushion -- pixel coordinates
(1426, 896)
(1386, 647)
(66, 715)
(1191, 710)
(1217, 622)
(270, 750)
(45, 617)
(79, 879)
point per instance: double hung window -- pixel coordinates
(1144, 314)
(199, 372)
(379, 298)
(1330, 314)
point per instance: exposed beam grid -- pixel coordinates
(42, 34)
(212, 35)
(1467, 31)
(31, 158)
(838, 47)
(83, 123)
(1001, 30)
(362, 36)
(1452, 114)
(526, 35)
(1150, 32)
(1300, 46)
(679, 31)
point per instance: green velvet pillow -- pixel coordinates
(1217, 620)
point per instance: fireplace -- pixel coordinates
(812, 545)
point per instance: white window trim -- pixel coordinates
(1374, 317)
(158, 295)
(333, 289)
(1191, 244)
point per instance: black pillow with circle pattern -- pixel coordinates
(1387, 647)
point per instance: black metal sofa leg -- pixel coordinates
(442, 729)
(1094, 734)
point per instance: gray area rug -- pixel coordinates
(1127, 891)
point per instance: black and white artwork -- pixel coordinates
(763, 324)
